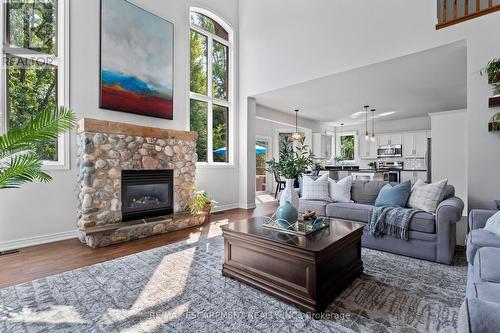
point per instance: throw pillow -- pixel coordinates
(301, 182)
(315, 189)
(340, 191)
(427, 197)
(394, 196)
(493, 224)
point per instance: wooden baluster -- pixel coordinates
(454, 9)
(490, 3)
(478, 5)
(443, 11)
(466, 7)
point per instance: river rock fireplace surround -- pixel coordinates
(133, 181)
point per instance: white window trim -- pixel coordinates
(337, 146)
(209, 99)
(62, 63)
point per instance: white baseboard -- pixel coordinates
(247, 205)
(223, 208)
(37, 240)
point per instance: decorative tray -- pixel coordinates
(301, 227)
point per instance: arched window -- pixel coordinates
(211, 92)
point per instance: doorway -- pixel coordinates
(263, 179)
(262, 147)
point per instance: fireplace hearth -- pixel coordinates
(147, 193)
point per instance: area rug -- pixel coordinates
(179, 288)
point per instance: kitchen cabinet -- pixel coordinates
(389, 139)
(413, 176)
(415, 144)
(367, 150)
(322, 146)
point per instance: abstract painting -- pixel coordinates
(136, 60)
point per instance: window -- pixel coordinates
(210, 89)
(346, 147)
(33, 80)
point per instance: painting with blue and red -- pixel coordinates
(136, 60)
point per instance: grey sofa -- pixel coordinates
(480, 312)
(431, 237)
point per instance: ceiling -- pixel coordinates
(411, 86)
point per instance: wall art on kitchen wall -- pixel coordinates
(136, 72)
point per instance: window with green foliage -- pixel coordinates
(210, 95)
(346, 147)
(33, 58)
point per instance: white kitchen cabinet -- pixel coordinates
(322, 146)
(420, 144)
(415, 144)
(367, 150)
(389, 139)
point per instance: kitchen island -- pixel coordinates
(338, 172)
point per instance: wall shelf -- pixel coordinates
(494, 102)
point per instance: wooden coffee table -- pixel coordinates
(307, 271)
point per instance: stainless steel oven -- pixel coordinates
(390, 151)
(392, 176)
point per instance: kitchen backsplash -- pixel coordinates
(415, 164)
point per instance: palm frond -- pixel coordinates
(45, 126)
(21, 169)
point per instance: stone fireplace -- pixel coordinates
(133, 181)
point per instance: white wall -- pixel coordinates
(304, 40)
(43, 209)
(449, 151)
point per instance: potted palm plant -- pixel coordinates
(292, 163)
(19, 161)
(492, 70)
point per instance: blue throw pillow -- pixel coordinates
(394, 196)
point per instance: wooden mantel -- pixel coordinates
(103, 126)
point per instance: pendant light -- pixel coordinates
(372, 139)
(297, 136)
(367, 135)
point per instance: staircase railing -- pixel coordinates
(456, 11)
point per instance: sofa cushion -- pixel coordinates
(422, 222)
(479, 238)
(318, 206)
(488, 291)
(349, 211)
(449, 191)
(487, 265)
(366, 192)
(394, 195)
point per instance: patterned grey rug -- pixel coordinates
(179, 288)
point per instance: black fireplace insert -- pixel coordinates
(147, 193)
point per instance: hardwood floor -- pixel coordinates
(44, 260)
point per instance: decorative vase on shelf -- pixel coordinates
(286, 215)
(290, 194)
